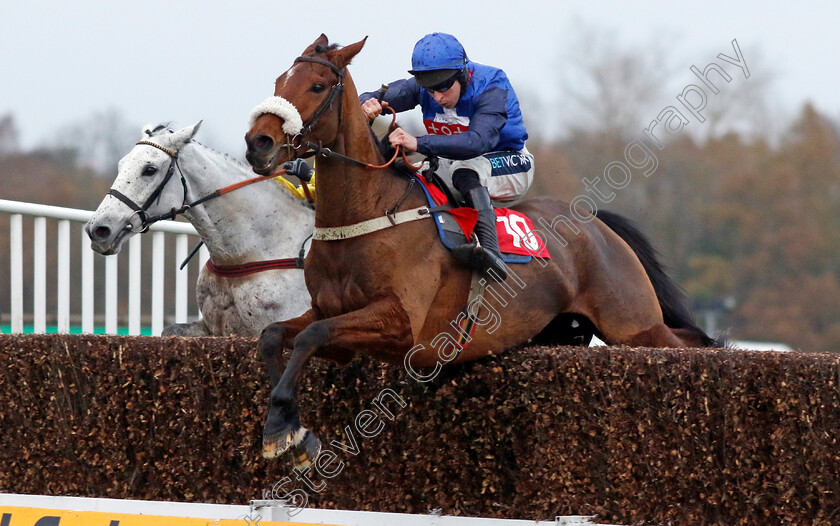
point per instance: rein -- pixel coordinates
(294, 141)
(141, 211)
(297, 142)
(318, 149)
(220, 270)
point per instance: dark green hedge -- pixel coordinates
(632, 435)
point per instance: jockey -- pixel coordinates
(474, 126)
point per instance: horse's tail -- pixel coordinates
(672, 300)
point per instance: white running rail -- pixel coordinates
(85, 272)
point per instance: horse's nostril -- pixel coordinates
(101, 232)
(262, 143)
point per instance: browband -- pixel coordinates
(159, 147)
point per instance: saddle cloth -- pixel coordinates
(517, 240)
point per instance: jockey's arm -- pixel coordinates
(402, 95)
(485, 125)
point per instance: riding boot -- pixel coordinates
(484, 257)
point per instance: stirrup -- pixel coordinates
(476, 257)
(489, 264)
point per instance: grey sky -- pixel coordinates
(183, 61)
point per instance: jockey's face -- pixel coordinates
(449, 98)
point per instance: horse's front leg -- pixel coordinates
(278, 336)
(381, 327)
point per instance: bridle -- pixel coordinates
(336, 91)
(227, 271)
(142, 211)
(297, 141)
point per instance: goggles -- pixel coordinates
(444, 86)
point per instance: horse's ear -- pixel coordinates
(343, 56)
(146, 132)
(321, 41)
(178, 139)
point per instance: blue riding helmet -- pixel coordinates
(436, 58)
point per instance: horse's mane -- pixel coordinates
(330, 47)
(387, 151)
(384, 146)
(165, 128)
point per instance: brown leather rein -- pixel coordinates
(336, 91)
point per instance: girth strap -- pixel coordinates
(236, 271)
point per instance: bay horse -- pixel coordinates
(234, 228)
(394, 293)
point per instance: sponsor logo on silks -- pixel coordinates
(506, 163)
(447, 123)
(20, 516)
(440, 128)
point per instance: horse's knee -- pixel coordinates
(314, 336)
(271, 339)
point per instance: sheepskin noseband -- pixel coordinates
(282, 108)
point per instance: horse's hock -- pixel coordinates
(628, 434)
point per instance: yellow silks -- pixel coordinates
(295, 190)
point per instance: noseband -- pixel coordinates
(142, 211)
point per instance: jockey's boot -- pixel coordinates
(484, 257)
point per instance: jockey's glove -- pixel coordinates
(300, 169)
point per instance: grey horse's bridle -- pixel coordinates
(142, 211)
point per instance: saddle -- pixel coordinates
(455, 223)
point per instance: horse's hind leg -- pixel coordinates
(380, 328)
(658, 335)
(196, 328)
(628, 314)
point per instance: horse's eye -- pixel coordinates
(150, 170)
(317, 88)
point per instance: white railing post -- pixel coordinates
(87, 285)
(42, 293)
(111, 294)
(181, 279)
(64, 276)
(39, 276)
(16, 271)
(134, 284)
(158, 253)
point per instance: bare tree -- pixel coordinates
(9, 138)
(742, 105)
(608, 85)
(100, 140)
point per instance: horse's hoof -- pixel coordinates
(306, 450)
(276, 444)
